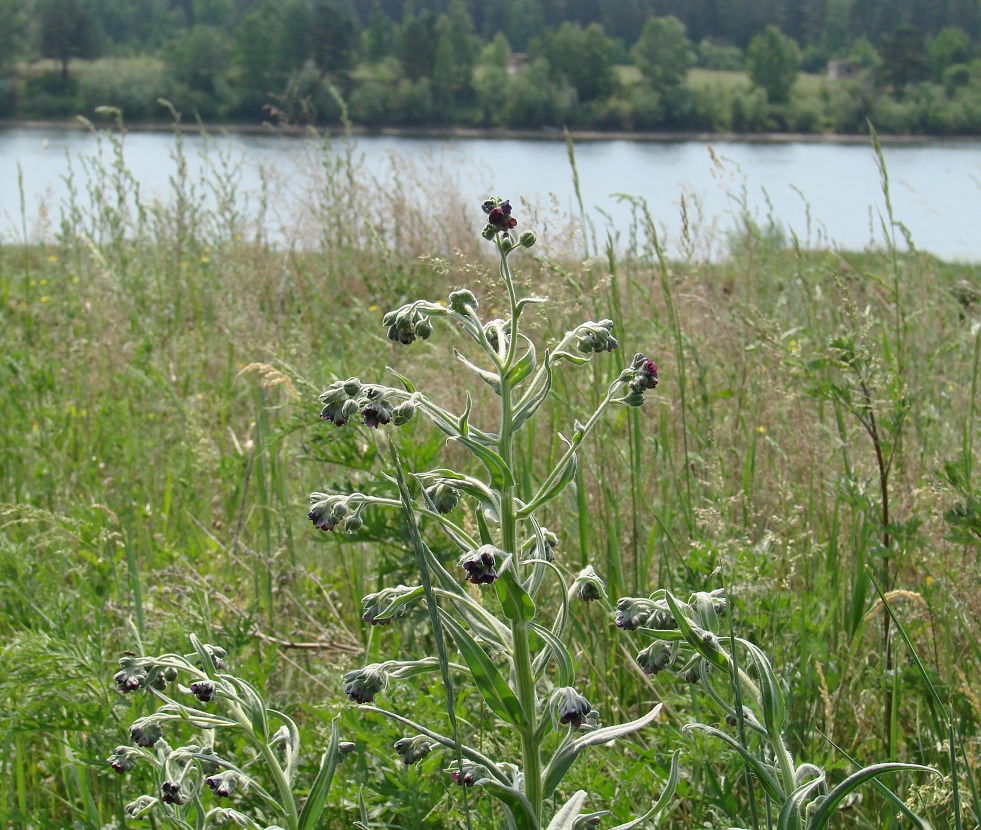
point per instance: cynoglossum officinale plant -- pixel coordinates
(514, 657)
(739, 678)
(232, 743)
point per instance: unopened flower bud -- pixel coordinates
(731, 720)
(570, 708)
(507, 243)
(480, 565)
(123, 759)
(444, 496)
(377, 604)
(361, 685)
(145, 732)
(424, 328)
(141, 807)
(351, 387)
(463, 302)
(588, 585)
(527, 239)
(412, 750)
(204, 690)
(403, 413)
(632, 612)
(656, 657)
(692, 675)
(353, 523)
(345, 749)
(224, 783)
(171, 793)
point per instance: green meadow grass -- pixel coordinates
(159, 367)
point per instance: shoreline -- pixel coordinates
(492, 134)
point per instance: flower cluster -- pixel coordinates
(444, 496)
(413, 750)
(406, 324)
(137, 673)
(588, 586)
(327, 512)
(480, 564)
(570, 708)
(499, 216)
(344, 399)
(643, 376)
(361, 685)
(597, 337)
(223, 784)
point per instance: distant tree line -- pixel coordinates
(912, 65)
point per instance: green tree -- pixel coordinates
(773, 60)
(904, 58)
(66, 30)
(416, 45)
(295, 45)
(255, 53)
(456, 55)
(951, 46)
(376, 39)
(581, 57)
(663, 52)
(11, 33)
(491, 79)
(333, 36)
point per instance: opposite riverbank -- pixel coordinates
(470, 133)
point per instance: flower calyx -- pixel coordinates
(657, 657)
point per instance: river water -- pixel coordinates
(826, 194)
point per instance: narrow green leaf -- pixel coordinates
(762, 771)
(535, 396)
(515, 601)
(820, 817)
(563, 659)
(405, 599)
(696, 637)
(662, 802)
(565, 818)
(402, 379)
(790, 813)
(501, 477)
(774, 710)
(490, 378)
(525, 366)
(516, 802)
(313, 808)
(486, 676)
(562, 480)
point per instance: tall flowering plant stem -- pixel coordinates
(509, 652)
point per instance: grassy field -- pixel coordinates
(159, 373)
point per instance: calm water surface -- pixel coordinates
(825, 193)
